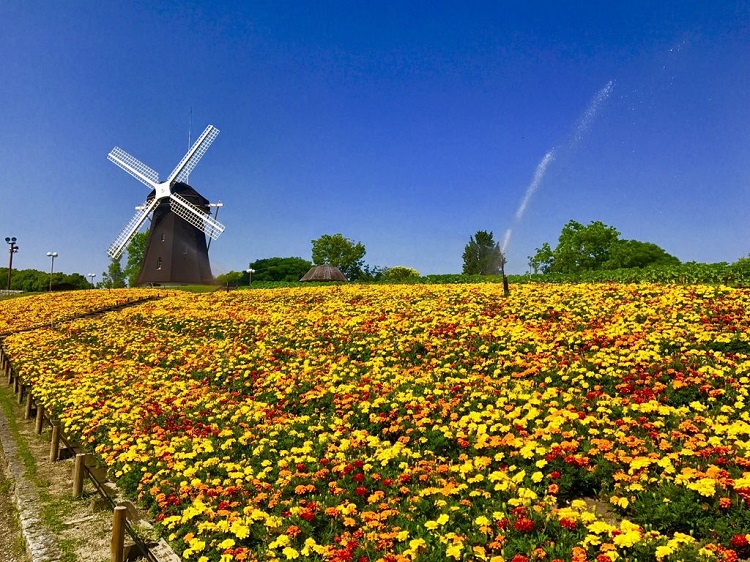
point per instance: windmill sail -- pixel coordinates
(134, 167)
(193, 156)
(192, 214)
(118, 246)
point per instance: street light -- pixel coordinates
(91, 276)
(250, 272)
(52, 255)
(11, 240)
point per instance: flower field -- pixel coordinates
(24, 314)
(591, 422)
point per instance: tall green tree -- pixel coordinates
(114, 277)
(581, 248)
(482, 255)
(136, 249)
(340, 252)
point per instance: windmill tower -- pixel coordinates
(177, 251)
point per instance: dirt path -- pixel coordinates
(37, 510)
(11, 545)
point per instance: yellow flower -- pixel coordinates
(663, 552)
(454, 551)
(290, 553)
(416, 544)
(239, 530)
(482, 520)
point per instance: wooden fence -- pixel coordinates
(85, 467)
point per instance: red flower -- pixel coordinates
(568, 523)
(519, 558)
(739, 541)
(361, 491)
(524, 525)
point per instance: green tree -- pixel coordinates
(582, 248)
(482, 255)
(740, 270)
(232, 279)
(279, 269)
(593, 247)
(136, 251)
(340, 252)
(541, 262)
(625, 254)
(114, 277)
(70, 281)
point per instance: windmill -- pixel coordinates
(176, 250)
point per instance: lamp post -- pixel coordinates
(250, 272)
(52, 255)
(91, 276)
(11, 240)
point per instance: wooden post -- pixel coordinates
(16, 384)
(39, 419)
(78, 470)
(54, 447)
(20, 393)
(118, 534)
(9, 371)
(29, 404)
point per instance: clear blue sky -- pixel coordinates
(406, 126)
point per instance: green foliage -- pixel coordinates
(340, 252)
(596, 247)
(624, 254)
(541, 262)
(136, 251)
(278, 269)
(685, 273)
(400, 273)
(482, 255)
(232, 279)
(741, 271)
(582, 248)
(114, 277)
(35, 281)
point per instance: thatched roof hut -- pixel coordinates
(323, 273)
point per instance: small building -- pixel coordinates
(323, 273)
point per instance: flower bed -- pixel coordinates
(565, 422)
(24, 313)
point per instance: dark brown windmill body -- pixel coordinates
(177, 252)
